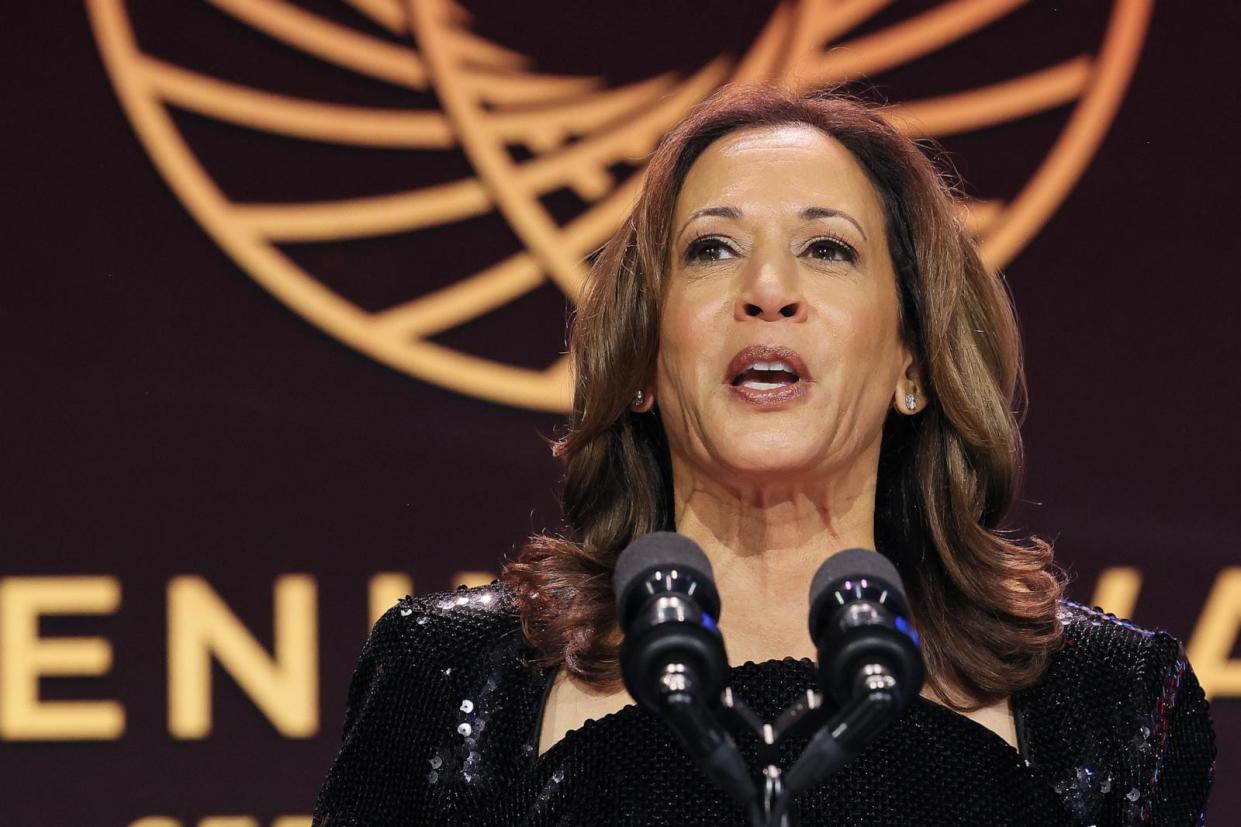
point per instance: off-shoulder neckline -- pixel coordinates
(572, 736)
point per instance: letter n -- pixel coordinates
(284, 686)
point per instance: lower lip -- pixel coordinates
(771, 398)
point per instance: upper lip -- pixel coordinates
(745, 359)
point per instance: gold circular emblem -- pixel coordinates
(490, 99)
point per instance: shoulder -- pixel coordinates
(423, 647)
(433, 669)
(1105, 659)
(1109, 646)
(441, 626)
(1119, 706)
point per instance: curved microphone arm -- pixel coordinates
(840, 739)
(702, 733)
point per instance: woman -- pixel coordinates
(790, 348)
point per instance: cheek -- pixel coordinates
(863, 337)
(685, 336)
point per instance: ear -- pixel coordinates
(910, 396)
(643, 399)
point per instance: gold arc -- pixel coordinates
(470, 64)
(761, 60)
(296, 117)
(465, 299)
(432, 206)
(994, 104)
(1079, 139)
(387, 13)
(475, 295)
(544, 127)
(469, 375)
(368, 216)
(898, 43)
(522, 88)
(520, 206)
(440, 204)
(370, 126)
(344, 47)
(822, 21)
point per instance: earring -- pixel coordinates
(911, 401)
(638, 398)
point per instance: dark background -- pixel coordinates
(164, 415)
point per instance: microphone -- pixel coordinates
(859, 622)
(667, 603)
(672, 658)
(870, 661)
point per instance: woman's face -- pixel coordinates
(780, 351)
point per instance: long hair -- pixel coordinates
(985, 604)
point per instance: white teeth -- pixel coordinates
(762, 386)
(770, 366)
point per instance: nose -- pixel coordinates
(769, 292)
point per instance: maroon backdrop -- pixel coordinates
(164, 415)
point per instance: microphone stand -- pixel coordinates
(835, 741)
(702, 733)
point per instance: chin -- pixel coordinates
(766, 459)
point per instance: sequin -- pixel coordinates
(457, 686)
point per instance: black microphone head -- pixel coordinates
(855, 563)
(658, 550)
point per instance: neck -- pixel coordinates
(765, 540)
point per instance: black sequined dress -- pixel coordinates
(444, 714)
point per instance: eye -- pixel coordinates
(710, 248)
(831, 249)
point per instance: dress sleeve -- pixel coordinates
(379, 776)
(1182, 759)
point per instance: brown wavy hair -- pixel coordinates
(985, 604)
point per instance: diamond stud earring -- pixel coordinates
(911, 401)
(638, 398)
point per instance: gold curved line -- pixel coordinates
(284, 280)
(760, 61)
(525, 215)
(899, 42)
(462, 300)
(521, 88)
(386, 13)
(515, 276)
(363, 217)
(993, 104)
(581, 165)
(821, 21)
(543, 128)
(1081, 136)
(559, 370)
(979, 215)
(543, 390)
(445, 203)
(589, 230)
(398, 65)
(484, 54)
(298, 117)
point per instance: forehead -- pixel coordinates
(787, 167)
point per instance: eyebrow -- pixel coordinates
(827, 212)
(808, 214)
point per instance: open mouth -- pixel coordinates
(767, 372)
(765, 376)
